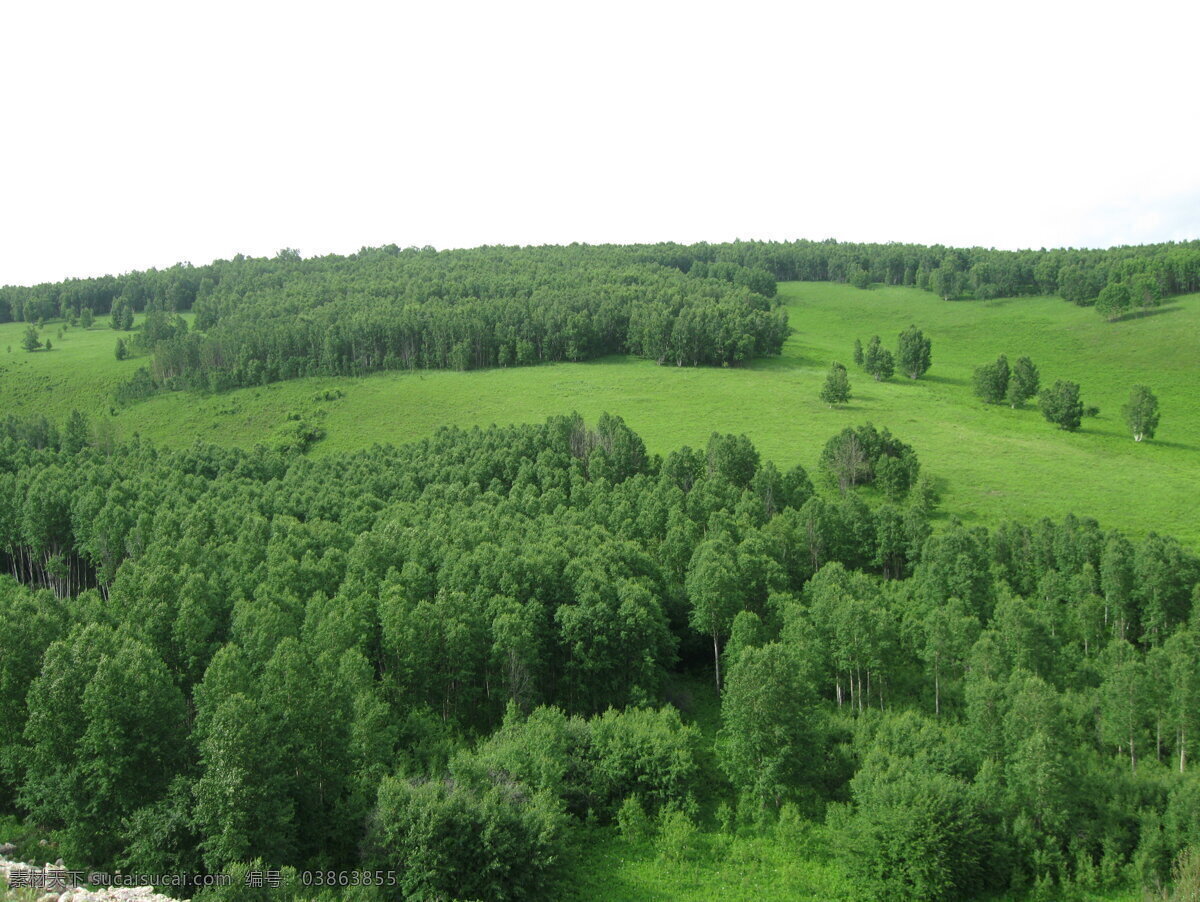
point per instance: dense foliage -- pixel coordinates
(260, 320)
(439, 659)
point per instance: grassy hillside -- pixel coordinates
(992, 462)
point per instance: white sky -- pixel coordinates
(138, 135)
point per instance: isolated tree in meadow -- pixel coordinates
(878, 361)
(1114, 301)
(1022, 382)
(86, 318)
(1061, 405)
(1141, 413)
(122, 351)
(837, 386)
(991, 381)
(914, 353)
(31, 342)
(858, 352)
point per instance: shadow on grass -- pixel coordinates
(1182, 446)
(937, 380)
(1142, 314)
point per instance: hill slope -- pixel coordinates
(992, 462)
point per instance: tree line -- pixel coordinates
(262, 319)
(1141, 274)
(440, 659)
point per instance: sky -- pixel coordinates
(137, 135)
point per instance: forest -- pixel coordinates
(446, 659)
(261, 320)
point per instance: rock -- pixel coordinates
(58, 863)
(7, 849)
(49, 897)
(42, 842)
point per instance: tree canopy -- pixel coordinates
(447, 658)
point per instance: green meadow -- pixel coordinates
(990, 462)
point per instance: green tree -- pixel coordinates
(1124, 711)
(242, 805)
(915, 833)
(1182, 653)
(878, 361)
(1023, 382)
(30, 341)
(914, 353)
(1145, 290)
(991, 381)
(949, 631)
(770, 737)
(1061, 405)
(450, 841)
(858, 353)
(76, 433)
(122, 349)
(86, 318)
(837, 386)
(846, 459)
(121, 317)
(1114, 301)
(715, 591)
(105, 719)
(1141, 413)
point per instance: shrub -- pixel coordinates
(449, 841)
(633, 822)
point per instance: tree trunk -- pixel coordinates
(717, 662)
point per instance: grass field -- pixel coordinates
(991, 462)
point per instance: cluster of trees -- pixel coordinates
(437, 659)
(862, 455)
(122, 315)
(1121, 296)
(913, 355)
(996, 383)
(393, 309)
